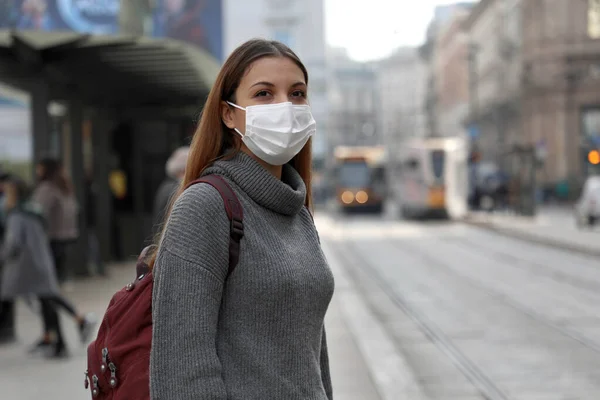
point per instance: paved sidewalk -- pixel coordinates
(23, 377)
(553, 226)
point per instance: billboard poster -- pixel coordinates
(197, 22)
(89, 16)
(194, 21)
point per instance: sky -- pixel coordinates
(372, 29)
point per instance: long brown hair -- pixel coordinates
(213, 138)
(53, 172)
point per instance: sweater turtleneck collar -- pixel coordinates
(285, 196)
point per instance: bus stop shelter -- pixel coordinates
(97, 75)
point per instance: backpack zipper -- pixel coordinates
(104, 359)
(111, 366)
(113, 375)
(95, 390)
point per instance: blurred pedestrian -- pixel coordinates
(28, 267)
(7, 309)
(55, 195)
(175, 169)
(259, 332)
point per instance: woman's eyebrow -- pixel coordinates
(264, 83)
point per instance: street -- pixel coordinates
(431, 310)
(474, 314)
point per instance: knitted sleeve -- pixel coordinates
(188, 283)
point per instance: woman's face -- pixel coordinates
(269, 80)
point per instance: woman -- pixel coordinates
(258, 334)
(27, 261)
(54, 194)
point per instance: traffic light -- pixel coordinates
(594, 157)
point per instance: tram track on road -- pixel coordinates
(534, 315)
(472, 372)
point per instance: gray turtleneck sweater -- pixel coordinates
(259, 335)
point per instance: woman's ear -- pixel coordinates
(227, 115)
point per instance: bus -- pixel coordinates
(430, 178)
(360, 178)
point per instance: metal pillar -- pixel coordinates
(40, 120)
(79, 255)
(101, 137)
(138, 185)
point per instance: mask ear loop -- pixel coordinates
(240, 108)
(235, 105)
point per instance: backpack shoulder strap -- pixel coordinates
(235, 214)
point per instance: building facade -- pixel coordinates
(538, 82)
(495, 48)
(300, 25)
(451, 70)
(353, 101)
(402, 84)
(444, 15)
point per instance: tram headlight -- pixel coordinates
(347, 197)
(362, 197)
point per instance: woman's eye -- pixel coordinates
(298, 93)
(262, 93)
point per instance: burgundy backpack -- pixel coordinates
(119, 358)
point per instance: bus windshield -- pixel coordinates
(354, 174)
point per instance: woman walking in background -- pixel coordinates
(54, 195)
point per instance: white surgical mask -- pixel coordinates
(277, 132)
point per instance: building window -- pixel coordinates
(594, 19)
(283, 36)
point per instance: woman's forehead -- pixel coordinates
(273, 70)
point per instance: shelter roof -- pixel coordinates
(114, 70)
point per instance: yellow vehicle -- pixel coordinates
(360, 178)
